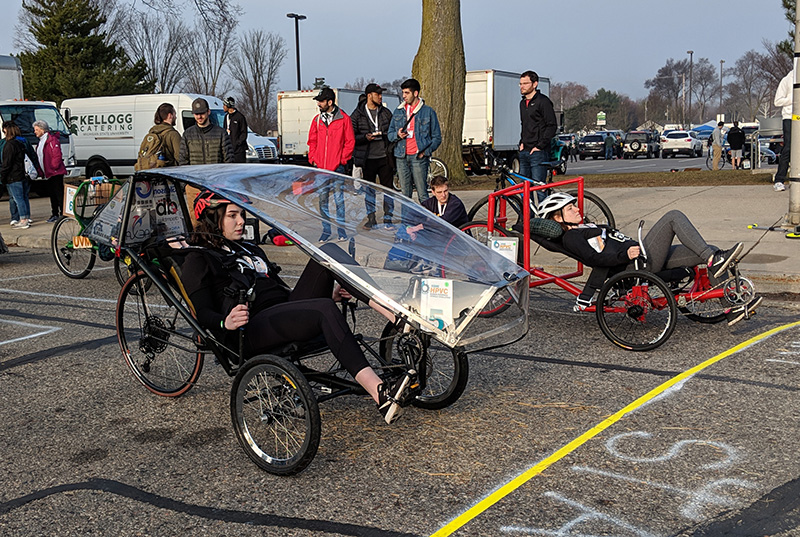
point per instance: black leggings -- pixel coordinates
(310, 311)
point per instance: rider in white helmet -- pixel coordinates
(602, 246)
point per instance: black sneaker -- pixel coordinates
(723, 259)
(390, 400)
(371, 222)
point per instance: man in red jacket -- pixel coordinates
(330, 146)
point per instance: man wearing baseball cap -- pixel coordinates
(203, 142)
(235, 125)
(330, 147)
(371, 122)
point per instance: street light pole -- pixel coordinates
(691, 65)
(297, 18)
(720, 85)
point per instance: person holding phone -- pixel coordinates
(371, 153)
(415, 128)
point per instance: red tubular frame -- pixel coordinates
(525, 188)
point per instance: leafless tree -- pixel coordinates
(750, 93)
(392, 87)
(213, 14)
(669, 84)
(565, 95)
(255, 69)
(162, 44)
(705, 86)
(207, 52)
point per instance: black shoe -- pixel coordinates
(390, 400)
(325, 237)
(53, 218)
(371, 222)
(723, 259)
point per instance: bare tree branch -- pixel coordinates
(255, 69)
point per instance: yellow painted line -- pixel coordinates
(471, 513)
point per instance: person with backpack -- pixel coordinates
(12, 171)
(161, 146)
(736, 139)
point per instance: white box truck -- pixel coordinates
(10, 78)
(109, 130)
(296, 110)
(491, 115)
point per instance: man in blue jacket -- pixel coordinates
(415, 127)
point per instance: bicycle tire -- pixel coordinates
(149, 328)
(73, 262)
(595, 210)
(275, 415)
(710, 161)
(480, 210)
(437, 167)
(446, 370)
(479, 231)
(636, 310)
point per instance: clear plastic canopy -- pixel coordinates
(435, 276)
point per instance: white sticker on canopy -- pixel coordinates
(436, 303)
(507, 247)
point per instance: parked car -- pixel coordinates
(681, 142)
(640, 143)
(592, 145)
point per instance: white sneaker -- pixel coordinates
(778, 186)
(13, 223)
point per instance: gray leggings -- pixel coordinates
(662, 254)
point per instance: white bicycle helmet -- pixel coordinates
(553, 203)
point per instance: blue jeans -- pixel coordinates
(337, 186)
(18, 199)
(609, 152)
(413, 173)
(530, 166)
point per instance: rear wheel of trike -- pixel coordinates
(73, 262)
(446, 370)
(157, 342)
(275, 415)
(636, 310)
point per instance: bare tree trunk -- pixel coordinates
(441, 70)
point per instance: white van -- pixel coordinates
(109, 130)
(24, 113)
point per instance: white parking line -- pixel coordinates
(48, 330)
(782, 361)
(45, 275)
(51, 295)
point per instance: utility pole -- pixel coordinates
(720, 85)
(691, 65)
(793, 216)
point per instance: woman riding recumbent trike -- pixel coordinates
(184, 303)
(635, 287)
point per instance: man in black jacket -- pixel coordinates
(235, 125)
(370, 124)
(539, 125)
(736, 141)
(204, 142)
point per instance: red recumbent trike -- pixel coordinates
(636, 309)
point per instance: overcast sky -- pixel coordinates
(602, 44)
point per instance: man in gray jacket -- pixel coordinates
(204, 143)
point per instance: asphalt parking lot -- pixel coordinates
(559, 434)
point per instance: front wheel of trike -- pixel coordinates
(275, 415)
(74, 262)
(157, 342)
(636, 310)
(446, 370)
